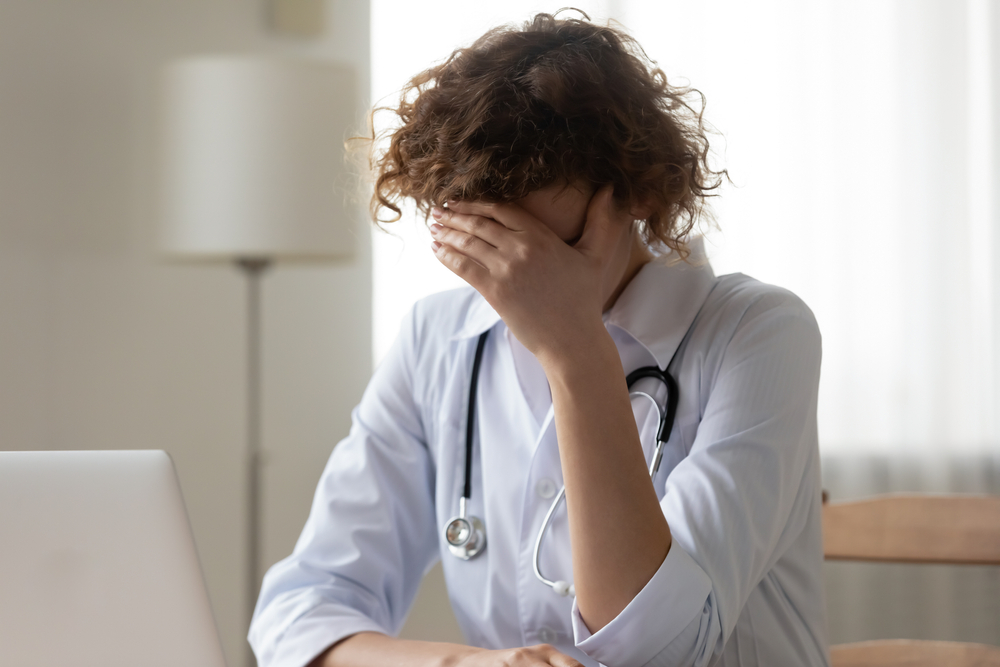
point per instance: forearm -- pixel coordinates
(618, 533)
(372, 649)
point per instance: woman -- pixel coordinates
(564, 177)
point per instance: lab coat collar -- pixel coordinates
(657, 307)
(659, 304)
(479, 318)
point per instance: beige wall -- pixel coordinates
(102, 344)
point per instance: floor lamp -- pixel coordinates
(252, 149)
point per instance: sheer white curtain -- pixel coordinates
(861, 138)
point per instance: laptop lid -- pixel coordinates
(98, 564)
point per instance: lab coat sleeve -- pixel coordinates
(736, 502)
(370, 535)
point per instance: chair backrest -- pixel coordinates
(910, 653)
(914, 529)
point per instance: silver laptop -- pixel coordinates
(98, 565)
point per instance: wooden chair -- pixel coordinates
(914, 529)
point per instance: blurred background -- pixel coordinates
(862, 139)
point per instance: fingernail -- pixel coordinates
(436, 228)
(435, 246)
(437, 213)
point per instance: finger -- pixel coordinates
(464, 267)
(480, 226)
(511, 216)
(563, 660)
(467, 244)
(555, 658)
(599, 230)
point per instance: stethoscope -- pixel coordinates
(466, 535)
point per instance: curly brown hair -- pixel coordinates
(558, 100)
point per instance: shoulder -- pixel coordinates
(740, 295)
(424, 355)
(430, 326)
(434, 332)
(739, 301)
(438, 318)
(746, 320)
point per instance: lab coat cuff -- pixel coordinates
(317, 631)
(666, 605)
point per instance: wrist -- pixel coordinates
(578, 351)
(455, 655)
(373, 649)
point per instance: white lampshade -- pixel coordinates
(253, 154)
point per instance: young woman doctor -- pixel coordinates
(564, 175)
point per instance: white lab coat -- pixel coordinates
(739, 485)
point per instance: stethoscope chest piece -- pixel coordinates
(465, 535)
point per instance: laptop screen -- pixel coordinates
(98, 564)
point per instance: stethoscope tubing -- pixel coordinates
(663, 433)
(538, 540)
(673, 396)
(470, 425)
(466, 535)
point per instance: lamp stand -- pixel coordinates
(253, 268)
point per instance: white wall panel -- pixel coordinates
(103, 344)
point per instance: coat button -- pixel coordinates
(545, 488)
(547, 635)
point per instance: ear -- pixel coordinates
(641, 209)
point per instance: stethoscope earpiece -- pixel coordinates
(563, 589)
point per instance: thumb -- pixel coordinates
(599, 227)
